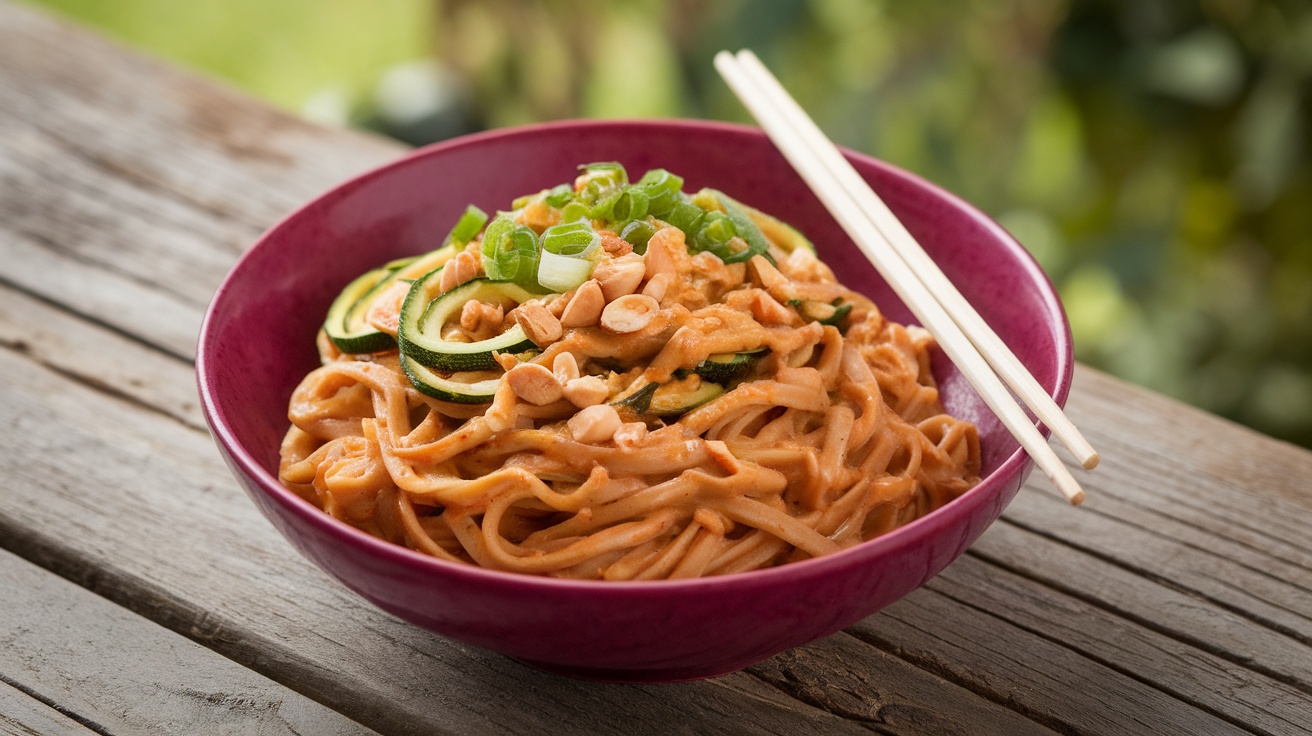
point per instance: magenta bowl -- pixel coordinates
(257, 343)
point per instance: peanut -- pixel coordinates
(619, 276)
(464, 267)
(768, 311)
(540, 325)
(533, 383)
(663, 251)
(595, 424)
(584, 308)
(629, 313)
(630, 434)
(565, 367)
(586, 391)
(658, 285)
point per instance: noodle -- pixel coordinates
(625, 446)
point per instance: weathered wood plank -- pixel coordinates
(143, 176)
(1184, 670)
(108, 360)
(1170, 460)
(119, 673)
(1166, 604)
(23, 715)
(1038, 675)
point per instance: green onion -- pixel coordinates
(575, 210)
(601, 181)
(630, 205)
(746, 229)
(606, 204)
(467, 226)
(685, 216)
(715, 234)
(569, 251)
(637, 233)
(559, 273)
(662, 188)
(571, 239)
(560, 195)
(510, 251)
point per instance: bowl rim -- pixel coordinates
(926, 526)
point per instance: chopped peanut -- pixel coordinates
(629, 313)
(619, 276)
(584, 308)
(658, 285)
(664, 251)
(476, 315)
(535, 384)
(768, 277)
(466, 266)
(566, 368)
(595, 424)
(505, 360)
(540, 325)
(586, 391)
(630, 434)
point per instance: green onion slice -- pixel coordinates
(467, 227)
(744, 227)
(637, 233)
(510, 251)
(569, 251)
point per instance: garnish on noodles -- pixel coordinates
(621, 380)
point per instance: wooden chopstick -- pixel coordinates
(995, 351)
(781, 126)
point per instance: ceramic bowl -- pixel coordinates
(257, 343)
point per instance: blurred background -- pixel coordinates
(1152, 154)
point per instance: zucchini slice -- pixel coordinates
(670, 399)
(448, 388)
(834, 314)
(726, 368)
(425, 312)
(681, 397)
(345, 323)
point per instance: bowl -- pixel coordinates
(257, 342)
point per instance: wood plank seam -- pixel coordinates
(1201, 644)
(188, 359)
(152, 185)
(81, 720)
(1178, 586)
(92, 383)
(1108, 663)
(1229, 520)
(109, 267)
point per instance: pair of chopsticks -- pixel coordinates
(968, 341)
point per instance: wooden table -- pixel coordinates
(141, 591)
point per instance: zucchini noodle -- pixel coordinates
(709, 400)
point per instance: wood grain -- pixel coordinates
(23, 715)
(115, 672)
(1177, 600)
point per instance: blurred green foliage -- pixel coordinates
(1152, 154)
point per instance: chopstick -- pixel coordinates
(909, 271)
